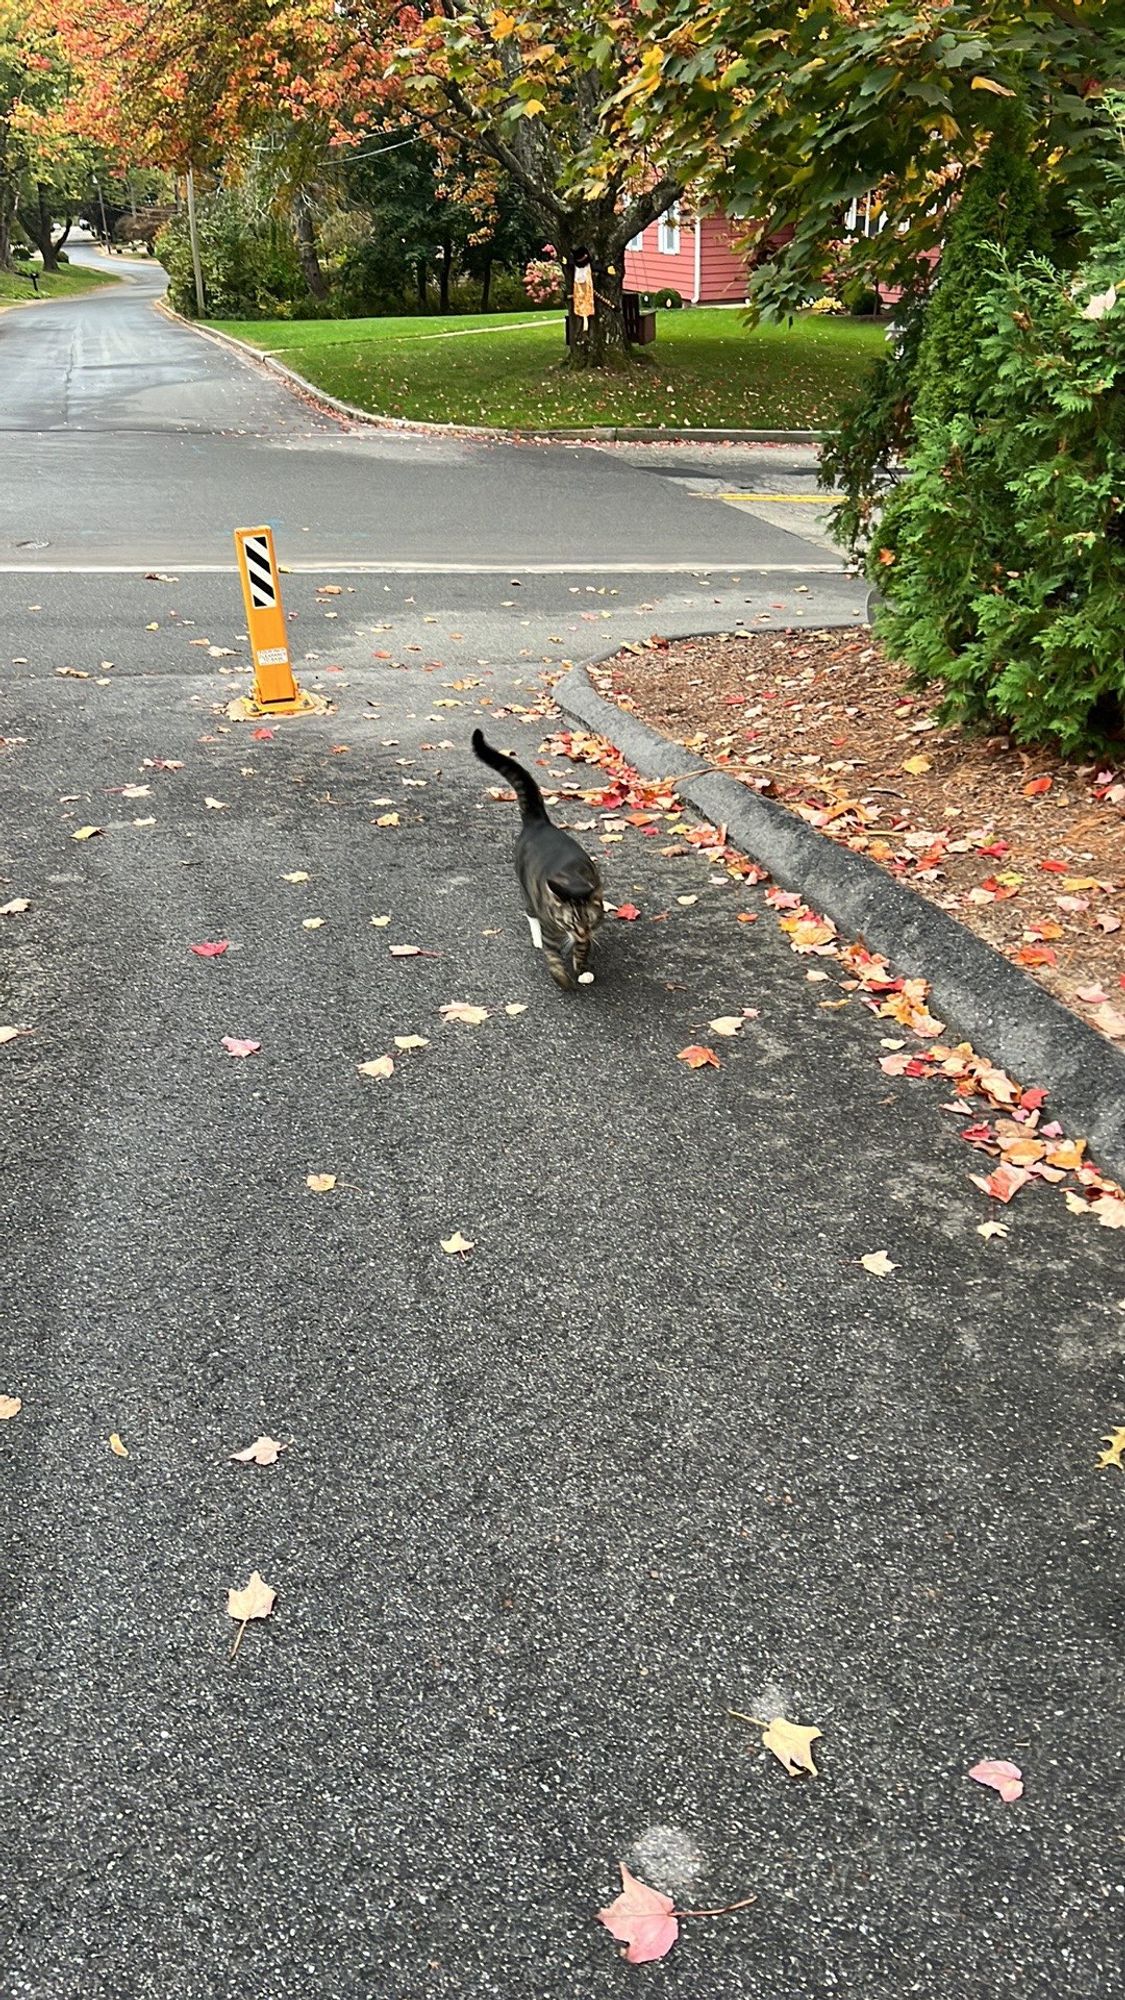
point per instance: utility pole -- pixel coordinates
(101, 205)
(193, 232)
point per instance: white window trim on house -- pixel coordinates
(668, 232)
(636, 242)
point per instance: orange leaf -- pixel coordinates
(698, 1057)
(1036, 787)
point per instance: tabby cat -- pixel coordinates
(562, 891)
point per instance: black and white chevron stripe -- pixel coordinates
(256, 554)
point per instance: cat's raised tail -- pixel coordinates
(523, 784)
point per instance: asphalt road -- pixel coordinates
(656, 1448)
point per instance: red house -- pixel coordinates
(696, 259)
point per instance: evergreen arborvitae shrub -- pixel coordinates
(1003, 551)
(935, 361)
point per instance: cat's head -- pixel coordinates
(576, 906)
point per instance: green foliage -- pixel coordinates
(1006, 543)
(249, 268)
(932, 369)
(825, 102)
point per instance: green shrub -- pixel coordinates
(668, 299)
(248, 269)
(935, 330)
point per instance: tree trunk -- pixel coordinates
(444, 269)
(420, 278)
(603, 344)
(7, 201)
(306, 245)
(48, 248)
(486, 285)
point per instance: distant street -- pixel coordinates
(657, 1447)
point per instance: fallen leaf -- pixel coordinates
(878, 1263)
(1116, 1452)
(686, 902)
(791, 1742)
(461, 1010)
(726, 1024)
(263, 1451)
(16, 907)
(320, 1183)
(214, 950)
(312, 923)
(1036, 787)
(379, 1066)
(10, 1406)
(990, 1229)
(299, 875)
(917, 765)
(216, 805)
(86, 832)
(235, 1047)
(456, 1245)
(387, 819)
(696, 1056)
(1090, 996)
(9, 1034)
(1005, 1778)
(411, 1042)
(516, 1007)
(1110, 1021)
(116, 1446)
(628, 912)
(1002, 1183)
(1108, 923)
(380, 923)
(641, 1919)
(255, 1600)
(407, 951)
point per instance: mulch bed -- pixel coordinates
(1022, 846)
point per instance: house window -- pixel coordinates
(668, 235)
(636, 242)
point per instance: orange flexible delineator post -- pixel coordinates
(275, 689)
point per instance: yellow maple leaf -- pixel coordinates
(1116, 1453)
(320, 1183)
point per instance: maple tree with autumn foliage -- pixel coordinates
(538, 91)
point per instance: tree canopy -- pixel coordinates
(793, 107)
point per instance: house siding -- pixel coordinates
(722, 272)
(651, 269)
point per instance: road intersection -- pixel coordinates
(658, 1447)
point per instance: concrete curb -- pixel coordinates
(984, 997)
(596, 434)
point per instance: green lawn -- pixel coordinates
(60, 284)
(706, 368)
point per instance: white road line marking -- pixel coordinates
(743, 570)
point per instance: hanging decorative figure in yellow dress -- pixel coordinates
(582, 295)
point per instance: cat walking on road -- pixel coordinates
(562, 890)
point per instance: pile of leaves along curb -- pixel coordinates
(1024, 848)
(1004, 1120)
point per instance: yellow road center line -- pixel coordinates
(773, 499)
